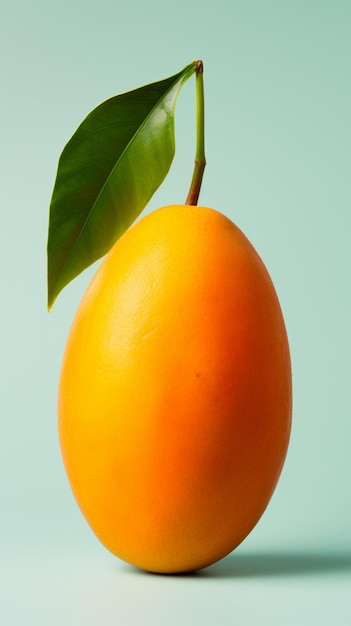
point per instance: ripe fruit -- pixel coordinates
(175, 392)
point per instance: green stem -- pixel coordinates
(200, 160)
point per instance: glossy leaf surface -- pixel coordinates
(107, 173)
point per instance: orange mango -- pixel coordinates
(175, 393)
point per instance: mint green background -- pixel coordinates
(278, 105)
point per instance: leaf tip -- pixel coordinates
(51, 298)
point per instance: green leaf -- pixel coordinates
(107, 173)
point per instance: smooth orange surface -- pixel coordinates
(175, 393)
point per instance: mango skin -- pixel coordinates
(175, 394)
